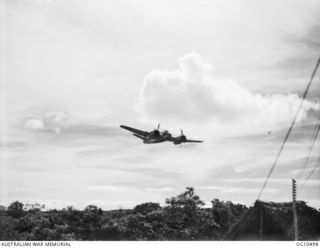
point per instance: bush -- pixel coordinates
(146, 208)
(15, 209)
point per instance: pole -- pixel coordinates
(261, 223)
(295, 219)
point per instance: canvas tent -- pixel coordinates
(274, 221)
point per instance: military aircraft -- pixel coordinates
(155, 136)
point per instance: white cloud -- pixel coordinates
(256, 180)
(285, 181)
(192, 94)
(312, 183)
(240, 169)
(237, 189)
(104, 188)
(306, 170)
(58, 117)
(53, 121)
(164, 189)
(315, 202)
(34, 124)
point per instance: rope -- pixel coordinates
(313, 170)
(290, 129)
(312, 141)
(316, 165)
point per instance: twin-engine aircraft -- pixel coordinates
(155, 136)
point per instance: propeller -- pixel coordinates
(182, 136)
(157, 131)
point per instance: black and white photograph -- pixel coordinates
(159, 120)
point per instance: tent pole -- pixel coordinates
(295, 219)
(261, 222)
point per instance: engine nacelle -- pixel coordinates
(180, 140)
(155, 133)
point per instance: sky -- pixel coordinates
(230, 73)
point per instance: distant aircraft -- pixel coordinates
(270, 132)
(155, 136)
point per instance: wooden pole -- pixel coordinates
(261, 223)
(295, 219)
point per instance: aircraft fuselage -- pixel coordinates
(156, 137)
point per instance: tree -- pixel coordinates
(91, 221)
(34, 207)
(15, 209)
(226, 213)
(26, 224)
(188, 202)
(182, 215)
(146, 208)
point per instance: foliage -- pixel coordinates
(15, 209)
(226, 213)
(187, 221)
(91, 222)
(147, 207)
(34, 207)
(183, 218)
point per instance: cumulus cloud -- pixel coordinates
(191, 93)
(34, 124)
(52, 121)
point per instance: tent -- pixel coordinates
(274, 221)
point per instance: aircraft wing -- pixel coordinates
(138, 136)
(194, 141)
(136, 131)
